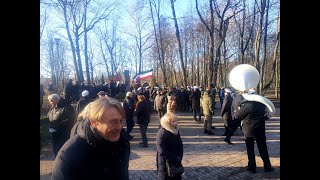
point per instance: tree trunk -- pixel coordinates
(225, 64)
(179, 43)
(52, 66)
(274, 64)
(197, 81)
(264, 58)
(204, 72)
(258, 42)
(211, 35)
(159, 49)
(140, 54)
(104, 58)
(64, 7)
(86, 58)
(78, 54)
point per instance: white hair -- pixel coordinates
(54, 96)
(129, 94)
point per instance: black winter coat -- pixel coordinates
(226, 108)
(195, 96)
(82, 103)
(235, 105)
(253, 116)
(143, 112)
(88, 156)
(169, 148)
(62, 117)
(128, 106)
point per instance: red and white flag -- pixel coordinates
(144, 75)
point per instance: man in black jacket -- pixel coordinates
(84, 100)
(142, 112)
(62, 117)
(226, 115)
(99, 149)
(253, 116)
(128, 106)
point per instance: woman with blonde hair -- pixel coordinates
(169, 146)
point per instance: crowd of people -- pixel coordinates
(90, 141)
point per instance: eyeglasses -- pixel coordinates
(115, 122)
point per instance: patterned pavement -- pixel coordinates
(205, 157)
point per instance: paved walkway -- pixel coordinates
(205, 157)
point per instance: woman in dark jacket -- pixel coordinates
(99, 149)
(169, 145)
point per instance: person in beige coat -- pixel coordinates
(208, 111)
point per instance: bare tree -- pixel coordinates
(222, 30)
(241, 29)
(108, 34)
(57, 61)
(264, 58)
(159, 42)
(104, 56)
(64, 5)
(43, 21)
(52, 60)
(211, 35)
(98, 15)
(258, 38)
(179, 44)
(197, 81)
(140, 36)
(274, 63)
(90, 61)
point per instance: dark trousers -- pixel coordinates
(166, 177)
(183, 106)
(130, 125)
(195, 111)
(58, 139)
(221, 102)
(207, 123)
(174, 178)
(227, 125)
(260, 138)
(189, 104)
(161, 113)
(232, 127)
(143, 131)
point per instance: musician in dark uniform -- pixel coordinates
(252, 110)
(253, 116)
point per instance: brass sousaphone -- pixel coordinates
(244, 77)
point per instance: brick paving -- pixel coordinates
(205, 157)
